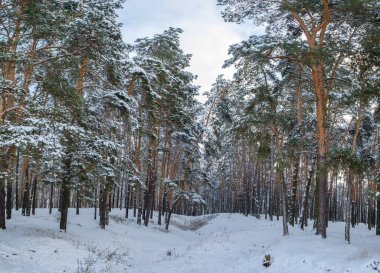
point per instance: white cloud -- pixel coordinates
(206, 35)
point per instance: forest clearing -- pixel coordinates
(222, 243)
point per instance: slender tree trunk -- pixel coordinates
(9, 198)
(271, 183)
(348, 209)
(116, 195)
(95, 201)
(160, 205)
(152, 165)
(66, 183)
(34, 190)
(377, 188)
(270, 199)
(65, 203)
(102, 204)
(11, 168)
(2, 204)
(165, 202)
(307, 196)
(167, 221)
(127, 194)
(134, 203)
(140, 208)
(165, 163)
(26, 198)
(109, 207)
(51, 198)
(17, 180)
(109, 185)
(369, 223)
(245, 180)
(120, 202)
(350, 186)
(65, 193)
(378, 210)
(297, 160)
(78, 203)
(152, 208)
(292, 218)
(149, 198)
(284, 206)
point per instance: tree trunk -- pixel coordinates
(127, 193)
(369, 223)
(120, 202)
(149, 196)
(139, 210)
(134, 202)
(168, 219)
(109, 207)
(284, 207)
(350, 185)
(65, 186)
(26, 198)
(170, 213)
(9, 198)
(307, 196)
(292, 218)
(322, 173)
(65, 203)
(51, 198)
(378, 210)
(16, 181)
(245, 180)
(2, 205)
(34, 194)
(152, 164)
(109, 186)
(348, 209)
(77, 202)
(103, 199)
(95, 201)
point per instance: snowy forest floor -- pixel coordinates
(204, 244)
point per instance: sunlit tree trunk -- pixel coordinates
(349, 208)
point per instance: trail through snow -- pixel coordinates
(225, 243)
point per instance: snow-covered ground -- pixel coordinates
(222, 243)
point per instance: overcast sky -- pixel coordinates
(206, 35)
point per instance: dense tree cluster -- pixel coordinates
(84, 124)
(296, 132)
(89, 121)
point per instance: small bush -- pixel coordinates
(267, 260)
(194, 224)
(87, 266)
(118, 219)
(102, 260)
(376, 266)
